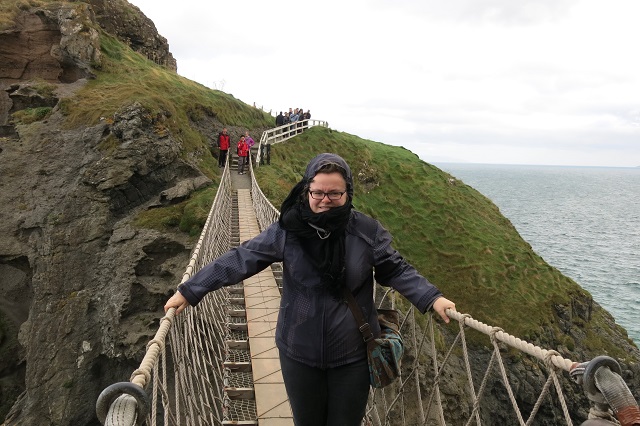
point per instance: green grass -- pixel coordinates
(175, 104)
(30, 115)
(450, 232)
(126, 77)
(188, 216)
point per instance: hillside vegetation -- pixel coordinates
(453, 234)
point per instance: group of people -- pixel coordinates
(243, 147)
(325, 247)
(246, 142)
(293, 116)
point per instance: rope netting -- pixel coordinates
(442, 381)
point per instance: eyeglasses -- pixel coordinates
(333, 196)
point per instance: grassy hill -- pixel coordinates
(450, 232)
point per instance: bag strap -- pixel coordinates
(363, 325)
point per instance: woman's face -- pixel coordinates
(328, 183)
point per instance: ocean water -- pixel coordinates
(585, 221)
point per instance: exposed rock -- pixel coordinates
(81, 289)
(57, 45)
(60, 44)
(368, 177)
(183, 190)
(135, 29)
(27, 96)
(67, 240)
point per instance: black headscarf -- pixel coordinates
(322, 235)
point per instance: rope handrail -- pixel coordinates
(188, 381)
(515, 342)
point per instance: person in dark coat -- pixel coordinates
(325, 245)
(265, 153)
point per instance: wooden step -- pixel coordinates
(238, 367)
(237, 326)
(236, 301)
(238, 344)
(236, 312)
(240, 393)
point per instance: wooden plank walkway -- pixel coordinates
(262, 304)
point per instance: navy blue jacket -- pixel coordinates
(313, 327)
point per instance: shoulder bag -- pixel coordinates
(384, 353)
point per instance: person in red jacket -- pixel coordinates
(224, 142)
(243, 152)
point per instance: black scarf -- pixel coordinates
(321, 235)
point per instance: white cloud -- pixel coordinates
(494, 81)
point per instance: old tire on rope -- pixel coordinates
(110, 393)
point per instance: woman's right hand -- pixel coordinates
(176, 301)
(441, 305)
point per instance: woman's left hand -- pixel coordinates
(441, 305)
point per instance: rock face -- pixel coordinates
(50, 44)
(82, 285)
(138, 31)
(61, 45)
(81, 289)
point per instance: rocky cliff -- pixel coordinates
(81, 289)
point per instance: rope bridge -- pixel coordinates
(206, 376)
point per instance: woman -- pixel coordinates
(324, 245)
(250, 142)
(243, 152)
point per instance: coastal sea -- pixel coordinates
(585, 221)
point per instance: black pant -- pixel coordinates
(265, 154)
(326, 397)
(222, 159)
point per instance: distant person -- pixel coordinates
(250, 142)
(265, 153)
(301, 122)
(279, 122)
(325, 247)
(293, 118)
(307, 115)
(243, 152)
(287, 120)
(223, 143)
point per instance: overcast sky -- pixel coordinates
(481, 81)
